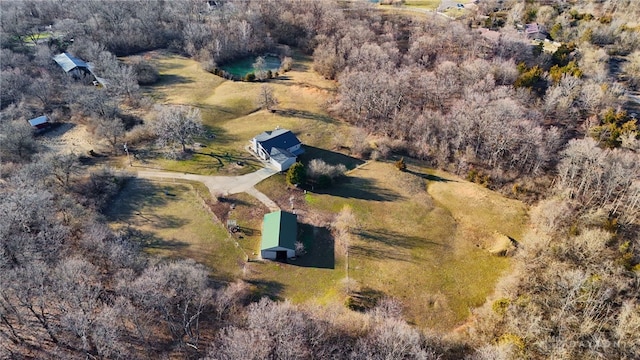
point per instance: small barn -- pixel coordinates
(40, 123)
(279, 234)
(72, 65)
(280, 147)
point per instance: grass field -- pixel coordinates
(423, 4)
(230, 112)
(168, 220)
(422, 238)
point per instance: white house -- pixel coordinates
(280, 147)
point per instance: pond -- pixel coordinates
(240, 68)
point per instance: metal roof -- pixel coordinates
(69, 62)
(279, 229)
(280, 155)
(39, 120)
(532, 28)
(281, 138)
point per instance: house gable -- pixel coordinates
(281, 138)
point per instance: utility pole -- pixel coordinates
(128, 156)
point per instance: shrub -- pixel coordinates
(400, 165)
(296, 175)
(318, 168)
(500, 306)
(146, 74)
(250, 77)
(300, 249)
(287, 62)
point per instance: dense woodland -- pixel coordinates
(554, 128)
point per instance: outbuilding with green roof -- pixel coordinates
(279, 233)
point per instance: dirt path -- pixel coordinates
(222, 185)
(68, 138)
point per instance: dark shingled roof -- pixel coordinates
(280, 138)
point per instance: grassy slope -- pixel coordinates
(418, 241)
(229, 110)
(169, 220)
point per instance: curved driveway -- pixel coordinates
(224, 185)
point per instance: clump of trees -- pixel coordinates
(178, 125)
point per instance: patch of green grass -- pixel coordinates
(169, 220)
(423, 4)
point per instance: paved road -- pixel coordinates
(224, 185)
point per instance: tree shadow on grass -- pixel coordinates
(394, 239)
(136, 194)
(222, 159)
(330, 157)
(319, 246)
(305, 115)
(171, 79)
(269, 288)
(360, 188)
(149, 240)
(371, 252)
(430, 177)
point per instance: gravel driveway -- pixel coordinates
(222, 184)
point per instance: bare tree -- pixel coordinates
(344, 225)
(16, 140)
(178, 125)
(112, 130)
(260, 68)
(63, 166)
(266, 97)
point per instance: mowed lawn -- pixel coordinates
(421, 238)
(169, 220)
(230, 111)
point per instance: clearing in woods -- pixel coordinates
(423, 235)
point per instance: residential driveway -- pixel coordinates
(221, 185)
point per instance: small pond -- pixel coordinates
(240, 68)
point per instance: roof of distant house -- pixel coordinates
(280, 138)
(532, 28)
(69, 62)
(39, 120)
(279, 229)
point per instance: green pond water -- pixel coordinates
(242, 67)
